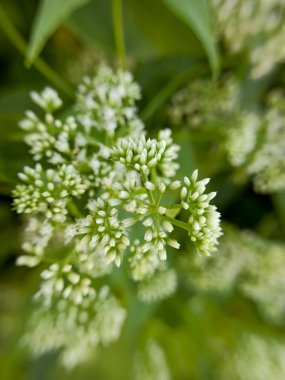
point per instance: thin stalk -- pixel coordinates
(158, 200)
(16, 39)
(149, 192)
(174, 207)
(93, 141)
(73, 209)
(119, 31)
(153, 175)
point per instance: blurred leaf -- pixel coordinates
(13, 104)
(8, 231)
(197, 15)
(165, 32)
(16, 39)
(166, 91)
(93, 24)
(145, 38)
(50, 14)
(13, 156)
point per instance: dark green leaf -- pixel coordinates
(165, 32)
(93, 24)
(50, 15)
(145, 38)
(197, 15)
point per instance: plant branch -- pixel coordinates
(119, 32)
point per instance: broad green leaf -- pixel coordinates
(145, 38)
(163, 30)
(50, 15)
(197, 15)
(93, 24)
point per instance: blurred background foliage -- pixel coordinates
(227, 319)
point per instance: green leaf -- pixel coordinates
(162, 29)
(145, 38)
(197, 15)
(50, 14)
(166, 91)
(93, 24)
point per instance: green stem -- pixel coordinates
(173, 207)
(73, 209)
(158, 200)
(16, 39)
(119, 32)
(149, 193)
(92, 141)
(141, 202)
(153, 175)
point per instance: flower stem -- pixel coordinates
(119, 32)
(149, 192)
(174, 207)
(73, 209)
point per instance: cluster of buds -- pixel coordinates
(100, 193)
(48, 191)
(145, 154)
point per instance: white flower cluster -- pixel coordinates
(143, 264)
(253, 140)
(150, 363)
(143, 155)
(38, 234)
(105, 230)
(266, 282)
(77, 323)
(48, 191)
(48, 100)
(155, 280)
(242, 139)
(66, 283)
(107, 102)
(203, 224)
(255, 357)
(51, 138)
(94, 185)
(72, 315)
(257, 145)
(254, 26)
(162, 284)
(248, 263)
(204, 102)
(204, 221)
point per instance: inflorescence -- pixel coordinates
(254, 27)
(97, 178)
(253, 139)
